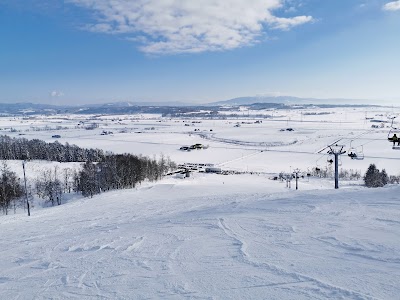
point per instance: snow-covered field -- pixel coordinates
(260, 147)
(213, 236)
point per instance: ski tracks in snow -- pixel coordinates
(238, 247)
(293, 279)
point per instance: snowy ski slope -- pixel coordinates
(207, 239)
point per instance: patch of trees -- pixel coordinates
(24, 149)
(115, 171)
(317, 113)
(122, 171)
(100, 172)
(394, 179)
(46, 128)
(349, 174)
(375, 178)
(327, 172)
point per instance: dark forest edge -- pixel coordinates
(100, 171)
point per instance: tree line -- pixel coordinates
(24, 149)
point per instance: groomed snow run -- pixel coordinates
(206, 238)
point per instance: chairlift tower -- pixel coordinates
(296, 173)
(336, 150)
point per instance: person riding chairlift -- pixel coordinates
(395, 139)
(352, 154)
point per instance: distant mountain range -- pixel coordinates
(131, 103)
(286, 100)
(164, 107)
(107, 108)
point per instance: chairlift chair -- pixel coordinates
(360, 153)
(318, 166)
(356, 153)
(394, 136)
(330, 160)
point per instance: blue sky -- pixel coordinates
(93, 51)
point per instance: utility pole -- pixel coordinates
(296, 173)
(26, 191)
(336, 150)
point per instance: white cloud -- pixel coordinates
(392, 6)
(287, 23)
(56, 94)
(186, 26)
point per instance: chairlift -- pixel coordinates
(356, 153)
(394, 135)
(318, 166)
(330, 160)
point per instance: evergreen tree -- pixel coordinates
(374, 178)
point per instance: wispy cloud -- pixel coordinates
(56, 94)
(392, 6)
(182, 26)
